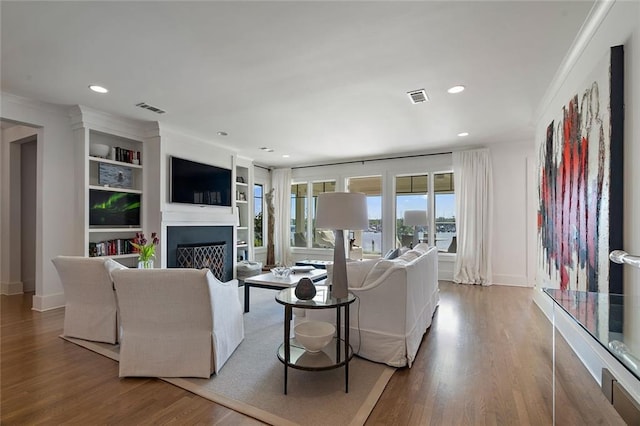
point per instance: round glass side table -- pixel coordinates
(336, 354)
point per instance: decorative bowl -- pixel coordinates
(99, 150)
(281, 272)
(314, 335)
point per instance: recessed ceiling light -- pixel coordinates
(463, 134)
(98, 89)
(285, 156)
(221, 133)
(265, 149)
(456, 89)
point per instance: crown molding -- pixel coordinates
(589, 28)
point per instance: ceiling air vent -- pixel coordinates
(418, 96)
(150, 108)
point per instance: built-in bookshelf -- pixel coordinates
(115, 182)
(243, 200)
(112, 162)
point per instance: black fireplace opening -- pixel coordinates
(200, 247)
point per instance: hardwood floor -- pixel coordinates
(485, 360)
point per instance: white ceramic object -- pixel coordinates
(314, 335)
(99, 150)
(281, 271)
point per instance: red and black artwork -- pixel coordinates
(581, 183)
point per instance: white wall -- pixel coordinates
(612, 24)
(511, 244)
(56, 190)
(28, 190)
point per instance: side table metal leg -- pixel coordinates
(287, 343)
(346, 348)
(338, 333)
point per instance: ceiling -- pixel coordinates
(319, 81)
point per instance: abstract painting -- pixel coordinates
(580, 185)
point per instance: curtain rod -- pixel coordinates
(372, 159)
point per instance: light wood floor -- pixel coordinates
(485, 361)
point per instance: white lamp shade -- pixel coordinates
(415, 217)
(342, 210)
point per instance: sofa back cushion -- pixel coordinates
(382, 266)
(410, 255)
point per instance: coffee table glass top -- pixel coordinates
(292, 279)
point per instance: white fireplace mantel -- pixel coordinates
(206, 217)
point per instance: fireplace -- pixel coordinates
(198, 245)
(203, 255)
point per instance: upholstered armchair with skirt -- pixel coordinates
(176, 322)
(90, 307)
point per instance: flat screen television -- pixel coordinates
(198, 183)
(114, 209)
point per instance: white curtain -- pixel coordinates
(281, 183)
(474, 187)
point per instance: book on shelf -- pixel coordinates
(115, 247)
(126, 155)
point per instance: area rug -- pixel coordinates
(252, 381)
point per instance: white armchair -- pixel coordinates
(176, 322)
(90, 308)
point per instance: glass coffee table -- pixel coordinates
(336, 354)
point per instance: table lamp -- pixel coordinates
(340, 211)
(415, 218)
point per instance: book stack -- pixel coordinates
(126, 155)
(111, 248)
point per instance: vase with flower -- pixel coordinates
(146, 249)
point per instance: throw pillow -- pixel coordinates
(410, 255)
(422, 248)
(392, 254)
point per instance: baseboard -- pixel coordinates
(590, 352)
(11, 288)
(46, 303)
(510, 280)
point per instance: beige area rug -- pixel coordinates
(252, 381)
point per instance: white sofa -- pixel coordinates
(397, 299)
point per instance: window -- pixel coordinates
(304, 195)
(258, 216)
(411, 194)
(321, 238)
(370, 239)
(299, 215)
(445, 212)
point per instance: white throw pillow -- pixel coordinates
(410, 255)
(422, 248)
